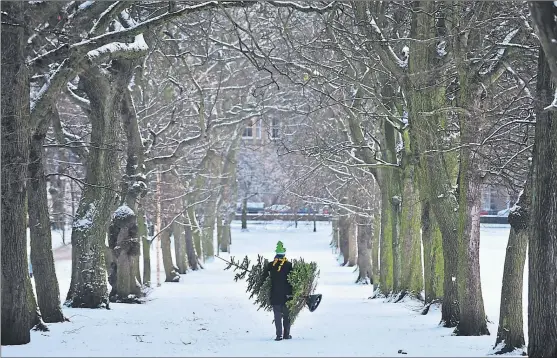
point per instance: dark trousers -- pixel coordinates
(282, 318)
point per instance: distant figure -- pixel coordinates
(30, 269)
(281, 291)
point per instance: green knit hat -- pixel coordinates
(280, 249)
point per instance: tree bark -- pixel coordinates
(42, 259)
(433, 256)
(16, 308)
(180, 247)
(208, 232)
(190, 247)
(125, 244)
(170, 270)
(365, 233)
(352, 242)
(222, 242)
(411, 225)
(58, 193)
(227, 201)
(375, 248)
(344, 236)
(88, 288)
(196, 232)
(335, 239)
(145, 245)
(425, 93)
(510, 333)
(472, 315)
(244, 214)
(473, 320)
(226, 237)
(542, 251)
(391, 184)
(386, 243)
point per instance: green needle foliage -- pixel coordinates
(303, 279)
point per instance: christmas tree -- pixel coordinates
(303, 279)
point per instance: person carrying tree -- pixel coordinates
(281, 291)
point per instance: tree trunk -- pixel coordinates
(196, 232)
(230, 218)
(190, 247)
(58, 194)
(314, 223)
(244, 214)
(352, 242)
(334, 240)
(42, 259)
(125, 244)
(145, 245)
(375, 247)
(510, 333)
(365, 233)
(386, 244)
(226, 230)
(344, 236)
(73, 195)
(391, 184)
(88, 288)
(411, 257)
(542, 251)
(16, 308)
(426, 93)
(226, 207)
(433, 256)
(208, 232)
(158, 227)
(180, 247)
(220, 234)
(472, 314)
(226, 238)
(170, 270)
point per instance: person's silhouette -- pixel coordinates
(281, 291)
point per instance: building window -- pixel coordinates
(258, 129)
(248, 131)
(275, 129)
(253, 129)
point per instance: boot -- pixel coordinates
(287, 334)
(279, 338)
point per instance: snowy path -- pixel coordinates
(208, 314)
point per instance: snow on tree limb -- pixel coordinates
(84, 103)
(119, 49)
(303, 8)
(91, 44)
(106, 16)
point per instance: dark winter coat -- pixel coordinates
(279, 269)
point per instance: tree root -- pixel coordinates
(509, 349)
(41, 327)
(428, 306)
(401, 296)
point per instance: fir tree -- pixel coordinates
(303, 279)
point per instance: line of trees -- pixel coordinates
(396, 115)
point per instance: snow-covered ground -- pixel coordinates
(208, 314)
